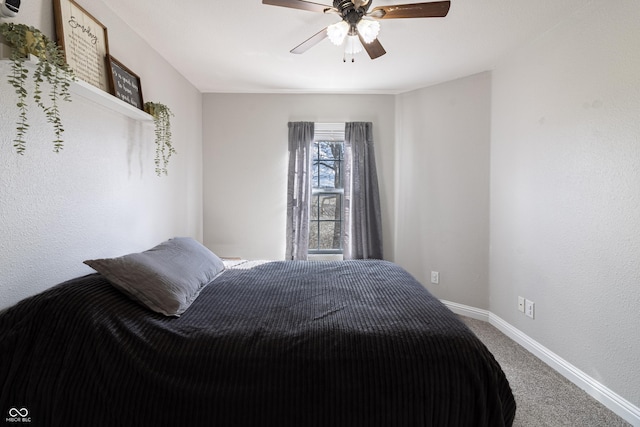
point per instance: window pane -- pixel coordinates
(338, 174)
(327, 171)
(330, 206)
(326, 174)
(313, 235)
(314, 174)
(330, 232)
(329, 150)
(313, 212)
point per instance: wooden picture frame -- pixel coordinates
(124, 83)
(84, 41)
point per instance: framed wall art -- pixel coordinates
(124, 83)
(84, 41)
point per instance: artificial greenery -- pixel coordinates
(164, 149)
(51, 67)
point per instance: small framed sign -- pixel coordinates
(124, 83)
(84, 41)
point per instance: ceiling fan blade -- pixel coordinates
(438, 9)
(374, 49)
(310, 42)
(299, 4)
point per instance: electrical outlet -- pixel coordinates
(521, 304)
(529, 308)
(435, 277)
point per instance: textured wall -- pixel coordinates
(99, 196)
(565, 191)
(442, 187)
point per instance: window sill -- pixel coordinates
(325, 257)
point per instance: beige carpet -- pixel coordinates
(543, 396)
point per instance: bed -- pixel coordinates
(284, 343)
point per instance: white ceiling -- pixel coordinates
(243, 45)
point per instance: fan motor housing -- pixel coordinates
(349, 12)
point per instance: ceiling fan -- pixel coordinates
(359, 26)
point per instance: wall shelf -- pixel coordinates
(92, 93)
(85, 90)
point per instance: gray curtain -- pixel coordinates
(299, 190)
(363, 223)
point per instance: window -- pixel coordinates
(326, 214)
(328, 165)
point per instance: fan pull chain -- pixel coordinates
(344, 57)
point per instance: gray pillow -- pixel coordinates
(166, 278)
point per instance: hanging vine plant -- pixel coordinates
(164, 149)
(51, 67)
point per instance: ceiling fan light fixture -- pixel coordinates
(353, 45)
(368, 29)
(359, 25)
(337, 32)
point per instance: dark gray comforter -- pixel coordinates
(351, 343)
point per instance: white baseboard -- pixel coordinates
(616, 403)
(465, 310)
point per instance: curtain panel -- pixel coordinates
(363, 221)
(299, 189)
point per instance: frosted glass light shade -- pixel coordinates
(368, 30)
(337, 32)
